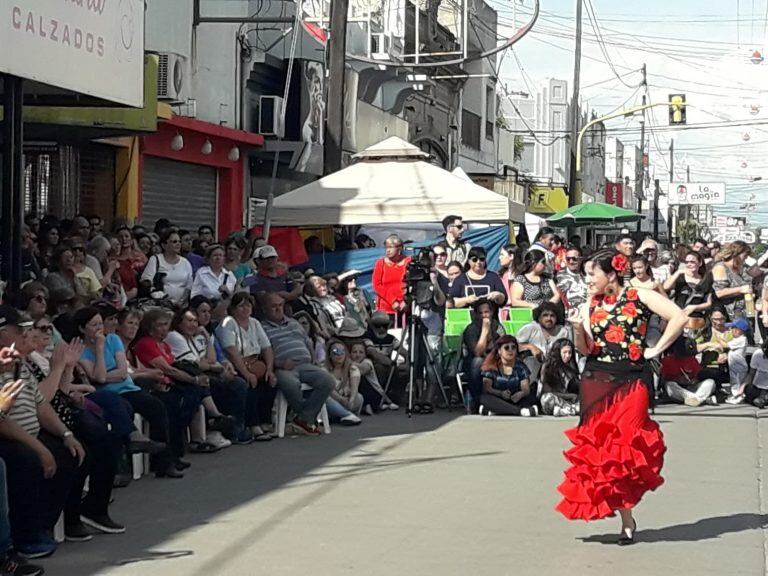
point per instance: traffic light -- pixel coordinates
(676, 109)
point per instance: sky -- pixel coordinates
(701, 48)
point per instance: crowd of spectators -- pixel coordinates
(173, 325)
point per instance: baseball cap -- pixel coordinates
(380, 318)
(349, 274)
(265, 251)
(9, 316)
(740, 323)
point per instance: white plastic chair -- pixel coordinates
(281, 413)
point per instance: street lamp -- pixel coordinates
(588, 125)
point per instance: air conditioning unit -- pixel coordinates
(379, 46)
(171, 77)
(270, 108)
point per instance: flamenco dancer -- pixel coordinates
(618, 451)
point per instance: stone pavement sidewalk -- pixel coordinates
(438, 495)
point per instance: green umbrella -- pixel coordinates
(592, 213)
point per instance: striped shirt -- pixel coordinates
(289, 342)
(24, 411)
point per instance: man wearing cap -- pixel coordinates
(42, 455)
(381, 348)
(268, 278)
(650, 249)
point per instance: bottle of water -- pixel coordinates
(749, 304)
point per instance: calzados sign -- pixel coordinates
(93, 47)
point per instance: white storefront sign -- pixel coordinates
(697, 193)
(93, 47)
(731, 234)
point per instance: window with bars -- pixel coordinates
(470, 129)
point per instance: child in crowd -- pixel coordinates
(681, 373)
(737, 360)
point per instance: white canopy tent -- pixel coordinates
(391, 183)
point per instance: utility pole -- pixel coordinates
(641, 184)
(574, 193)
(656, 194)
(671, 179)
(337, 50)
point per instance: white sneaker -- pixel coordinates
(218, 440)
(351, 420)
(692, 401)
(558, 411)
(735, 399)
(711, 401)
(393, 406)
(368, 409)
(526, 412)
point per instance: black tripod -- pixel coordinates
(415, 338)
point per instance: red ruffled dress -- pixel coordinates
(618, 451)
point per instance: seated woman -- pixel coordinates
(54, 377)
(681, 373)
(560, 381)
(104, 362)
(248, 349)
(345, 401)
(177, 385)
(507, 382)
(312, 330)
(192, 346)
(61, 370)
(370, 387)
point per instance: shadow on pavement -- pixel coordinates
(704, 529)
(154, 511)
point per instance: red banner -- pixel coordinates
(614, 193)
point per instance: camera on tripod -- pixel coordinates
(419, 268)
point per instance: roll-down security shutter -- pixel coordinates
(183, 193)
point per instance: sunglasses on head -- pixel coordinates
(477, 259)
(338, 351)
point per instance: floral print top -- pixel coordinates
(619, 327)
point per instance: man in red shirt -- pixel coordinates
(680, 371)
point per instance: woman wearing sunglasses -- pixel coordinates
(477, 282)
(507, 382)
(345, 401)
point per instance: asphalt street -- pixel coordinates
(442, 494)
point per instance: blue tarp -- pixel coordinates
(492, 239)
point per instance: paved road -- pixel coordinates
(438, 495)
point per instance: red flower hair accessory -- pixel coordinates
(620, 263)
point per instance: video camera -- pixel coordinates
(420, 267)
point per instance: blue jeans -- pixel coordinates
(116, 411)
(289, 383)
(337, 411)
